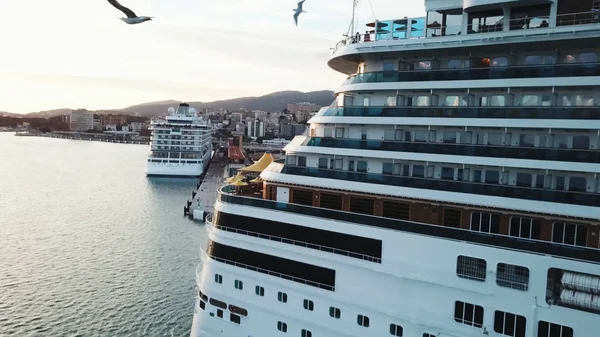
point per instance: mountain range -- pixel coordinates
(276, 101)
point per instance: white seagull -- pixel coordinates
(131, 18)
(298, 11)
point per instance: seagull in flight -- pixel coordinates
(298, 11)
(131, 18)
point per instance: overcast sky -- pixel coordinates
(77, 54)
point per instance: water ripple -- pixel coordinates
(89, 245)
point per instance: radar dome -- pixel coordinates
(192, 110)
(171, 110)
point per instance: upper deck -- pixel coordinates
(454, 24)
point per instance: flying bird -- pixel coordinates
(131, 18)
(298, 11)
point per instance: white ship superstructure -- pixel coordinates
(452, 189)
(181, 144)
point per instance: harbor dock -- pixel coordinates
(204, 198)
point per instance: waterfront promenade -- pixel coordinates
(95, 137)
(206, 196)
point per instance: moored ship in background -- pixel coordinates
(181, 144)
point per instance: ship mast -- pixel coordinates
(354, 3)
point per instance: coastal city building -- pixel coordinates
(255, 129)
(81, 120)
(303, 111)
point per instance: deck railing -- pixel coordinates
(294, 242)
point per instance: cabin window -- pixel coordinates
(547, 329)
(450, 137)
(447, 173)
(499, 62)
(584, 100)
(577, 184)
(323, 163)
(497, 100)
(420, 136)
(581, 142)
(418, 171)
(302, 161)
(281, 326)
(389, 66)
(423, 65)
(218, 278)
(471, 268)
(389, 134)
(202, 305)
(569, 234)
(282, 297)
(524, 228)
(422, 101)
(512, 276)
(485, 222)
(361, 166)
(494, 139)
(524, 179)
(391, 101)
(458, 64)
(588, 58)
(530, 100)
(388, 168)
(509, 324)
(239, 285)
(456, 101)
(306, 333)
(492, 177)
(396, 330)
(469, 314)
(260, 291)
(526, 140)
(362, 320)
(308, 305)
(335, 312)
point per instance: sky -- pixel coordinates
(78, 54)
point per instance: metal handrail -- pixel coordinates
(295, 242)
(569, 19)
(229, 192)
(269, 272)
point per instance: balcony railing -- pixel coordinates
(524, 27)
(569, 155)
(519, 112)
(489, 239)
(322, 248)
(524, 71)
(269, 272)
(566, 197)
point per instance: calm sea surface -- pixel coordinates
(89, 246)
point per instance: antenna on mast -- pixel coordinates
(354, 4)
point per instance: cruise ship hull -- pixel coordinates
(175, 170)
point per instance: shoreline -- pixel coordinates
(99, 138)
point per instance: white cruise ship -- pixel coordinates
(452, 189)
(181, 144)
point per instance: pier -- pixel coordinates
(96, 137)
(205, 195)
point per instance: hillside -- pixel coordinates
(276, 101)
